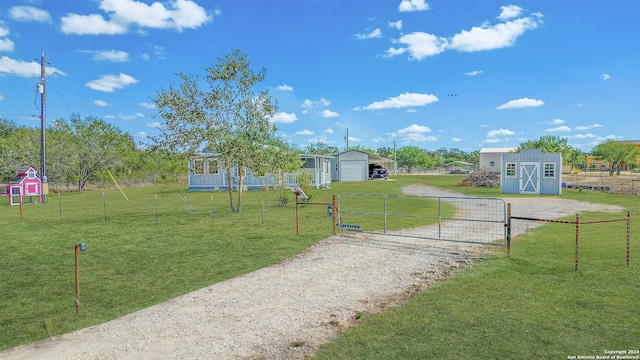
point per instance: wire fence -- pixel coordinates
(625, 183)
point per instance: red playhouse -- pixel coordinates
(26, 183)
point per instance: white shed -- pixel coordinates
(491, 158)
(355, 165)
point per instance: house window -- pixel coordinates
(492, 163)
(212, 167)
(510, 170)
(198, 167)
(549, 170)
(31, 175)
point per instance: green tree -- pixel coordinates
(320, 148)
(19, 149)
(617, 154)
(411, 157)
(93, 147)
(551, 143)
(230, 119)
(279, 160)
(386, 152)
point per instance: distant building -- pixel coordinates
(490, 158)
(602, 165)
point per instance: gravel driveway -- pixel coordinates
(286, 310)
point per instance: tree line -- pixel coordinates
(83, 151)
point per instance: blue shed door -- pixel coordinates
(530, 178)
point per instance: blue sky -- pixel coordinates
(463, 74)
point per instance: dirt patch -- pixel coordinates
(287, 310)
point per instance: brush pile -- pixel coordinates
(482, 178)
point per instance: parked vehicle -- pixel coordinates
(377, 172)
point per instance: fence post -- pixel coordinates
(628, 236)
(508, 225)
(577, 239)
(335, 217)
(297, 231)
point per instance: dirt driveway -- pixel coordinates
(287, 310)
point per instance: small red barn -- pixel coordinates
(28, 183)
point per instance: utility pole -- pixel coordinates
(43, 128)
(347, 139)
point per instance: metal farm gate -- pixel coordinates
(462, 219)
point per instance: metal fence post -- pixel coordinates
(628, 236)
(508, 225)
(577, 239)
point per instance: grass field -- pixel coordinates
(135, 258)
(532, 305)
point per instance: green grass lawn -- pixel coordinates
(134, 258)
(532, 305)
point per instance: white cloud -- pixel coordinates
(111, 55)
(1, 97)
(379, 140)
(557, 121)
(131, 117)
(413, 5)
(492, 141)
(101, 103)
(28, 13)
(109, 83)
(147, 105)
(455, 139)
(605, 76)
(372, 35)
(391, 52)
(401, 101)
(304, 132)
(474, 73)
(309, 104)
(558, 129)
(329, 131)
(124, 14)
(154, 124)
(492, 37)
(6, 45)
(583, 136)
(329, 114)
(587, 127)
(396, 24)
(319, 139)
(499, 132)
(414, 133)
(24, 68)
(283, 118)
(284, 87)
(510, 12)
(141, 134)
(521, 103)
(420, 45)
(93, 24)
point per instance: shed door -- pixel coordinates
(529, 178)
(353, 170)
